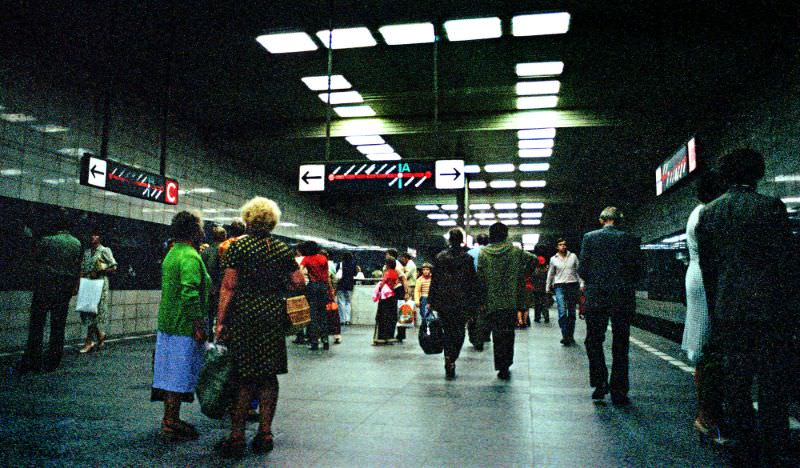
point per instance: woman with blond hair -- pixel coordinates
(252, 320)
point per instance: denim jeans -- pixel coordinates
(343, 299)
(567, 295)
(424, 312)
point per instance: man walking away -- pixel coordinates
(501, 273)
(475, 326)
(610, 266)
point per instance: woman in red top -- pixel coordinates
(386, 318)
(318, 291)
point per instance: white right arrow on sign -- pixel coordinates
(450, 174)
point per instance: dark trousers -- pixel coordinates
(476, 331)
(53, 299)
(596, 324)
(454, 323)
(400, 294)
(541, 307)
(316, 293)
(501, 325)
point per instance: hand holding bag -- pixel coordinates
(405, 314)
(431, 336)
(215, 389)
(89, 294)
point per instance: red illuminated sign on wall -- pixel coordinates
(677, 167)
(119, 178)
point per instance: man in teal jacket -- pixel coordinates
(501, 273)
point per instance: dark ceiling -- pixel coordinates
(639, 79)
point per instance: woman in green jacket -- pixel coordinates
(181, 315)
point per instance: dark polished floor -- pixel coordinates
(359, 405)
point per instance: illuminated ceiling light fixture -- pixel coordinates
(203, 190)
(787, 178)
(354, 111)
(533, 214)
(531, 222)
(450, 207)
(384, 157)
(508, 215)
(537, 102)
(10, 172)
(365, 140)
(505, 206)
(449, 222)
(320, 83)
(526, 88)
(477, 184)
(536, 153)
(494, 168)
(472, 169)
(536, 133)
(788, 200)
(534, 167)
(533, 184)
(414, 33)
(480, 206)
(284, 43)
(532, 206)
(511, 222)
(438, 216)
(472, 29)
(17, 118)
(530, 238)
(347, 38)
(539, 68)
(540, 24)
(486, 222)
(375, 149)
(342, 97)
(427, 207)
(502, 184)
(483, 216)
(74, 151)
(545, 143)
(49, 128)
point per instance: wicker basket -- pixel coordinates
(299, 311)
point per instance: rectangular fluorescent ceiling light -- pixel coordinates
(486, 222)
(354, 111)
(534, 167)
(320, 83)
(449, 222)
(483, 216)
(365, 140)
(532, 184)
(342, 97)
(414, 33)
(537, 102)
(498, 168)
(384, 157)
(536, 153)
(347, 38)
(540, 24)
(203, 190)
(10, 172)
(49, 128)
(508, 215)
(427, 207)
(480, 206)
(511, 222)
(284, 43)
(438, 216)
(787, 178)
(454, 216)
(530, 238)
(450, 207)
(17, 118)
(472, 169)
(536, 133)
(477, 184)
(74, 151)
(505, 206)
(531, 222)
(502, 184)
(375, 149)
(472, 29)
(532, 206)
(525, 88)
(532, 214)
(790, 200)
(544, 143)
(539, 68)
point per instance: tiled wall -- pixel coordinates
(44, 167)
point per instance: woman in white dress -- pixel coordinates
(695, 331)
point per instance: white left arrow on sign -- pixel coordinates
(97, 172)
(312, 178)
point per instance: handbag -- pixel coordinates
(215, 388)
(89, 293)
(405, 314)
(431, 336)
(298, 310)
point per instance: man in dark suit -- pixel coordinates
(610, 265)
(750, 274)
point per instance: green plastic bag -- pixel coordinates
(215, 384)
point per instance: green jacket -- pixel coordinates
(184, 290)
(501, 271)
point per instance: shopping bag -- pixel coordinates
(299, 311)
(405, 318)
(215, 388)
(89, 293)
(431, 336)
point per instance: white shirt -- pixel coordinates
(563, 270)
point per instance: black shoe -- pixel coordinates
(620, 400)
(450, 371)
(537, 320)
(563, 341)
(546, 320)
(599, 393)
(504, 374)
(313, 346)
(262, 443)
(478, 347)
(325, 345)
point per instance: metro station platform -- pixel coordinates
(359, 405)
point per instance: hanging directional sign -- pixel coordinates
(382, 176)
(115, 177)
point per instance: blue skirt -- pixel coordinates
(176, 366)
